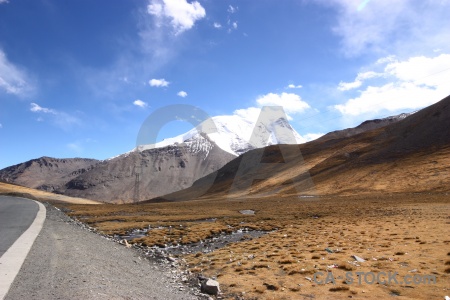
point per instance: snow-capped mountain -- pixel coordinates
(171, 165)
(235, 134)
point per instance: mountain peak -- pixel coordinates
(236, 134)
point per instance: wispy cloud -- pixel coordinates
(232, 9)
(180, 14)
(1, 126)
(405, 85)
(293, 86)
(160, 25)
(36, 108)
(61, 119)
(4, 1)
(217, 25)
(13, 80)
(182, 94)
(140, 103)
(158, 82)
(382, 26)
(345, 86)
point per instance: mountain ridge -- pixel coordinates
(187, 156)
(409, 155)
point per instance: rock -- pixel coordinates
(358, 259)
(210, 287)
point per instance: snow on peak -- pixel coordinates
(233, 134)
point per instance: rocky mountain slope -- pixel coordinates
(411, 155)
(171, 165)
(168, 166)
(47, 173)
(364, 126)
(160, 170)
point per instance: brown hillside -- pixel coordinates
(411, 155)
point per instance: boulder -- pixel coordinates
(210, 287)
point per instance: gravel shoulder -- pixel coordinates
(69, 262)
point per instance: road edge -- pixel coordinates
(12, 260)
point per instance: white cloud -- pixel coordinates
(251, 113)
(12, 79)
(292, 103)
(406, 26)
(61, 119)
(345, 86)
(181, 14)
(36, 108)
(217, 25)
(140, 103)
(231, 9)
(1, 126)
(158, 82)
(410, 84)
(293, 86)
(4, 1)
(182, 94)
(421, 69)
(235, 25)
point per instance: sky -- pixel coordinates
(78, 78)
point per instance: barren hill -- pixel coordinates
(411, 155)
(160, 170)
(46, 173)
(363, 127)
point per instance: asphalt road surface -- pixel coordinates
(69, 262)
(16, 215)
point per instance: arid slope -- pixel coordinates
(411, 155)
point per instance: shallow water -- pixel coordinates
(211, 244)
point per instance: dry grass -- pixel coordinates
(400, 233)
(21, 191)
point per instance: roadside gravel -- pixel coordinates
(69, 262)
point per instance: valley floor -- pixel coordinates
(404, 233)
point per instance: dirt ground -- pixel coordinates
(308, 251)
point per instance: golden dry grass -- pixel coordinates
(21, 191)
(406, 233)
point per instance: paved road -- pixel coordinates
(68, 262)
(16, 215)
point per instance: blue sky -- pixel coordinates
(78, 78)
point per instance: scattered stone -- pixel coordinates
(210, 287)
(126, 243)
(358, 259)
(247, 212)
(271, 287)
